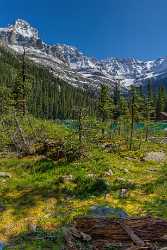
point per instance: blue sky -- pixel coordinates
(100, 28)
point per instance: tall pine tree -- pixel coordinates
(104, 106)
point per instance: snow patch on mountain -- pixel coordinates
(24, 29)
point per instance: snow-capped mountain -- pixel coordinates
(73, 66)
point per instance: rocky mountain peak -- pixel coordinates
(23, 28)
(21, 33)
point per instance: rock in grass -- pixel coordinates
(106, 211)
(155, 156)
(91, 175)
(152, 170)
(5, 175)
(1, 208)
(68, 178)
(123, 193)
(109, 173)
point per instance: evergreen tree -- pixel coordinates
(20, 88)
(123, 106)
(149, 108)
(104, 106)
(5, 100)
(160, 103)
(136, 109)
(132, 112)
(149, 90)
(19, 94)
(116, 100)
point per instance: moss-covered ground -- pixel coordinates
(45, 194)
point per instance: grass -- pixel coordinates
(40, 192)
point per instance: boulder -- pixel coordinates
(106, 211)
(155, 156)
(5, 175)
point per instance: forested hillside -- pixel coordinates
(47, 96)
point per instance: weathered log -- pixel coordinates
(140, 233)
(146, 228)
(69, 240)
(71, 234)
(134, 237)
(25, 147)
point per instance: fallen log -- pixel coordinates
(139, 231)
(134, 237)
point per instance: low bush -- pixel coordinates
(43, 166)
(90, 186)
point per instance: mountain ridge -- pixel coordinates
(73, 66)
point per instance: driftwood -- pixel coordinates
(140, 233)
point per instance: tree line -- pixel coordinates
(140, 106)
(26, 86)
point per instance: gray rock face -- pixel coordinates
(106, 211)
(21, 33)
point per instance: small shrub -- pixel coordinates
(119, 184)
(43, 166)
(90, 186)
